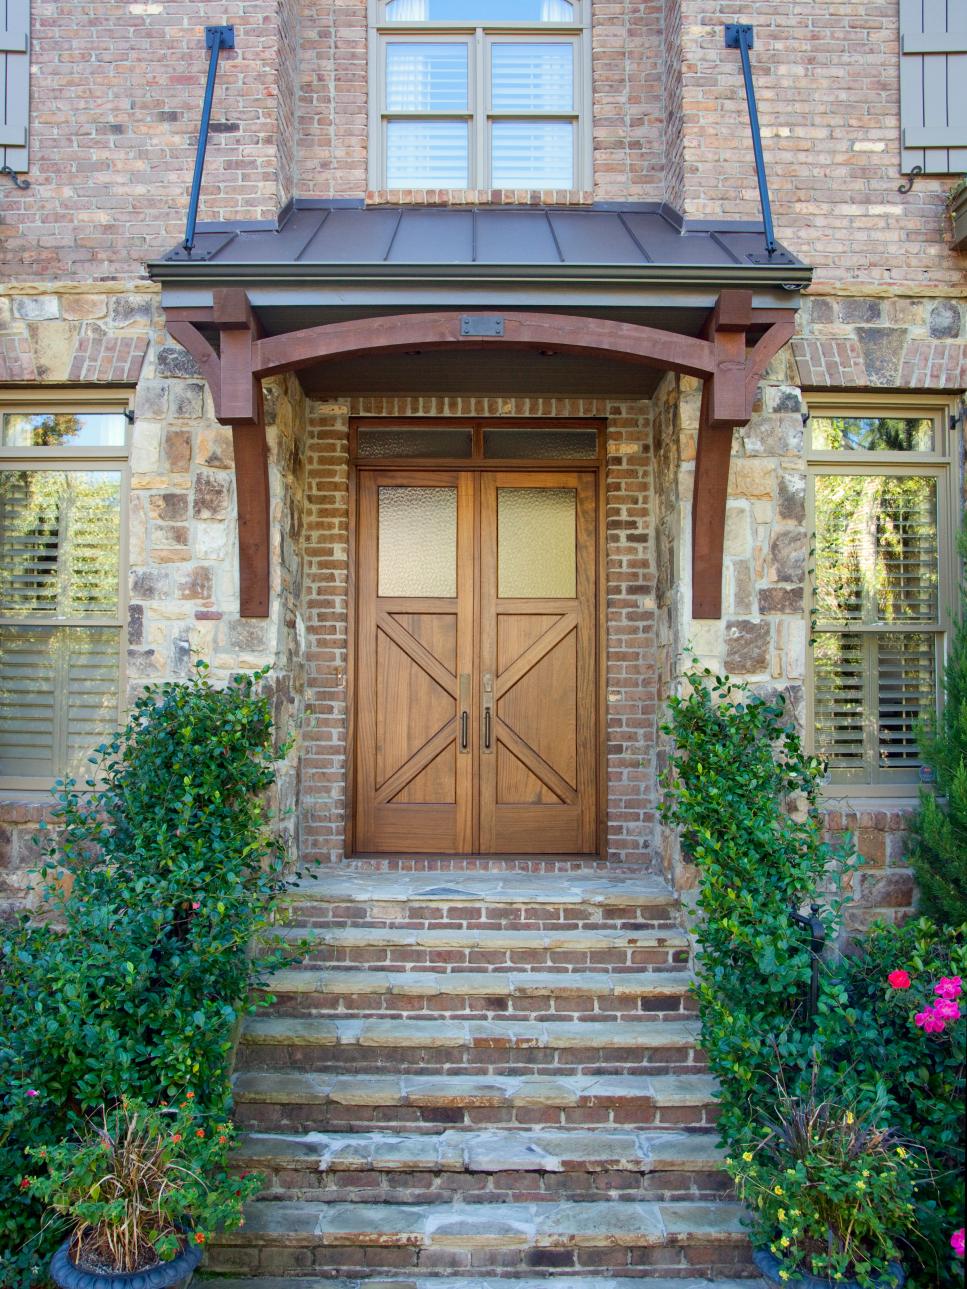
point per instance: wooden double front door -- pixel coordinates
(476, 676)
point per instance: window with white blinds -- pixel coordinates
(63, 498)
(470, 94)
(882, 508)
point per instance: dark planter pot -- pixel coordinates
(769, 1265)
(175, 1274)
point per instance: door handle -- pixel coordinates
(464, 711)
(488, 711)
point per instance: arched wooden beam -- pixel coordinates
(562, 333)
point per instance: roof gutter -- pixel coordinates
(790, 278)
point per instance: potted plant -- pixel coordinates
(957, 204)
(831, 1193)
(140, 1189)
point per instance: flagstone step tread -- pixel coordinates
(296, 1031)
(626, 1223)
(638, 984)
(486, 940)
(484, 888)
(292, 1088)
(494, 1151)
(449, 1282)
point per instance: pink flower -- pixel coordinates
(32, 1092)
(929, 1022)
(947, 1009)
(196, 904)
(957, 1242)
(948, 987)
(899, 979)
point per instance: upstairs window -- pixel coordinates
(883, 514)
(481, 94)
(63, 501)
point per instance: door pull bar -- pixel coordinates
(488, 711)
(465, 711)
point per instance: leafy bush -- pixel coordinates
(939, 849)
(139, 1182)
(139, 989)
(871, 1040)
(831, 1190)
(735, 768)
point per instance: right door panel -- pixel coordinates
(538, 719)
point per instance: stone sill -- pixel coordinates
(478, 197)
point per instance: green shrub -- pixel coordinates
(939, 843)
(139, 1181)
(871, 1042)
(139, 990)
(831, 1189)
(734, 769)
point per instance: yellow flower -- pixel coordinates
(866, 1172)
(783, 1275)
(901, 1152)
(795, 1212)
(748, 1156)
(781, 1215)
(785, 1242)
(861, 1186)
(850, 1116)
(777, 1190)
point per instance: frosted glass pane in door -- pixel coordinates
(532, 154)
(482, 11)
(427, 154)
(532, 77)
(426, 78)
(536, 543)
(418, 542)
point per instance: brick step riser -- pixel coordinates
(497, 917)
(457, 960)
(523, 1007)
(372, 1186)
(297, 1117)
(349, 1058)
(712, 1259)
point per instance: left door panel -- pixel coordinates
(415, 662)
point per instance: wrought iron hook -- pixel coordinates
(15, 178)
(908, 186)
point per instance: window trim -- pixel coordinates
(943, 464)
(111, 457)
(480, 115)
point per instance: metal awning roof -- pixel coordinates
(316, 242)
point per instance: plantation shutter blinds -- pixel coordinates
(14, 83)
(933, 85)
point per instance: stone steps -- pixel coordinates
(307, 1102)
(496, 1165)
(481, 1074)
(294, 1237)
(454, 949)
(470, 1046)
(532, 994)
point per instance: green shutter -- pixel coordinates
(933, 86)
(14, 83)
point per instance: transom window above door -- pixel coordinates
(480, 95)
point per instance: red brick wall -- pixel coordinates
(631, 672)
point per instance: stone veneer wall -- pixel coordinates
(631, 673)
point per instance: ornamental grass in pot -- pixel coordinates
(832, 1196)
(140, 1190)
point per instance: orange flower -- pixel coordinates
(190, 1096)
(199, 1237)
(176, 1136)
(222, 1140)
(200, 1132)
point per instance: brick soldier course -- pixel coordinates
(487, 1069)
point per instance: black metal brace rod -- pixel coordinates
(216, 39)
(817, 943)
(741, 36)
